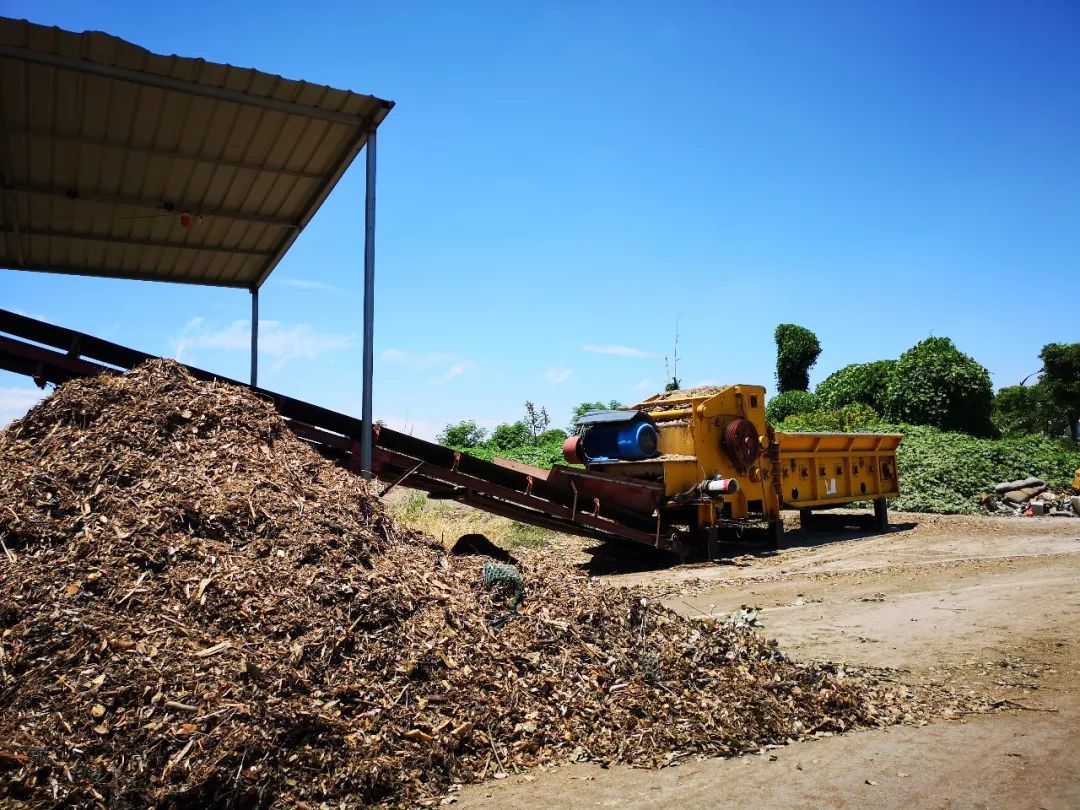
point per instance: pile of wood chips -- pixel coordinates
(197, 610)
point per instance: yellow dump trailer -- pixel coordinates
(832, 469)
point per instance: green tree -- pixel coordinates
(859, 383)
(1061, 376)
(537, 419)
(1026, 410)
(934, 383)
(463, 434)
(673, 384)
(585, 407)
(797, 349)
(507, 437)
(788, 404)
(552, 436)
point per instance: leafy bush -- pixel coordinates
(553, 436)
(936, 384)
(539, 455)
(797, 349)
(526, 441)
(849, 419)
(789, 403)
(462, 435)
(947, 472)
(515, 434)
(859, 383)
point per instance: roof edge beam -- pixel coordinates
(162, 153)
(124, 240)
(316, 202)
(178, 85)
(166, 207)
(129, 275)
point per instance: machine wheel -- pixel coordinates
(805, 517)
(881, 514)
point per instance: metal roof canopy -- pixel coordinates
(119, 163)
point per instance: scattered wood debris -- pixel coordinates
(197, 610)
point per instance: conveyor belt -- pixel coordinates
(564, 499)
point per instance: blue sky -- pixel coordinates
(560, 181)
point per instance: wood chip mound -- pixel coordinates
(197, 610)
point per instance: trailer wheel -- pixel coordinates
(881, 514)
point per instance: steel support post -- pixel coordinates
(254, 338)
(369, 306)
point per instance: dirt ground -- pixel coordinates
(987, 604)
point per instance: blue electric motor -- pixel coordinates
(617, 436)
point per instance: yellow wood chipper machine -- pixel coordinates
(716, 463)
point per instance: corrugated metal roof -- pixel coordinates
(105, 148)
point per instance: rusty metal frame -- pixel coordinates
(520, 501)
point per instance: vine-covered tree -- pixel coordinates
(857, 384)
(797, 349)
(936, 384)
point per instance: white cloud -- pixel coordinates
(447, 365)
(557, 375)
(308, 284)
(616, 350)
(279, 342)
(15, 402)
(457, 370)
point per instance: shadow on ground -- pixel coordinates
(615, 557)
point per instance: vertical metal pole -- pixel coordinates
(254, 338)
(369, 306)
